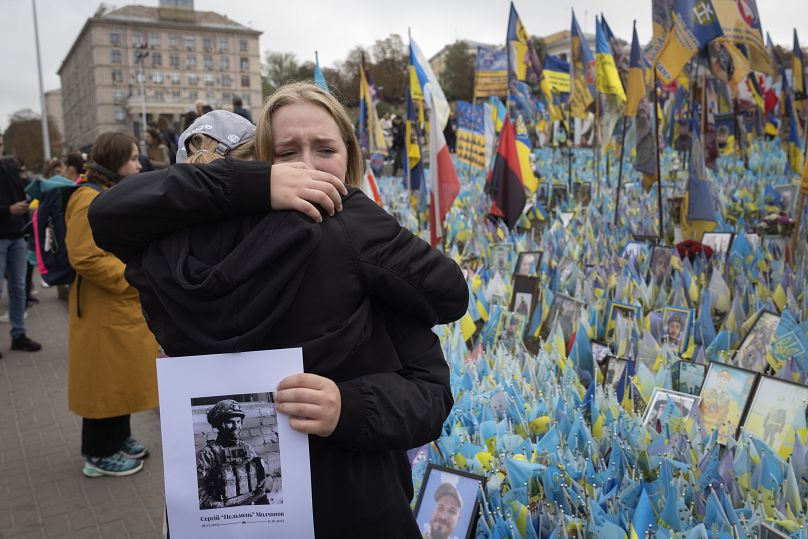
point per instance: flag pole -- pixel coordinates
(620, 169)
(570, 141)
(659, 174)
(596, 141)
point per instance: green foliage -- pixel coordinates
(457, 76)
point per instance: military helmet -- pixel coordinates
(224, 409)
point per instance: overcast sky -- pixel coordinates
(333, 28)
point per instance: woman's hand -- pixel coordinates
(312, 402)
(294, 186)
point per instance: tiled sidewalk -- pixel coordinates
(42, 490)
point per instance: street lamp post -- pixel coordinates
(140, 59)
(46, 149)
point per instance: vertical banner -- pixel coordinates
(491, 72)
(470, 134)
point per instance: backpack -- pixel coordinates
(49, 234)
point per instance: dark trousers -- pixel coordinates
(104, 437)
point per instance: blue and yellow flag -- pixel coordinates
(608, 78)
(798, 73)
(635, 89)
(371, 136)
(695, 24)
(644, 518)
(413, 166)
(793, 143)
(557, 72)
(583, 73)
(698, 210)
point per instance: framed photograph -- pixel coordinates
(565, 310)
(582, 192)
(720, 242)
(537, 227)
(677, 324)
(558, 196)
(447, 503)
(660, 398)
(499, 257)
(777, 413)
(614, 370)
(660, 266)
(600, 351)
(619, 310)
(689, 377)
(788, 197)
(767, 531)
(209, 417)
(653, 239)
(675, 210)
(751, 355)
(528, 263)
(511, 329)
(525, 293)
(754, 240)
(724, 395)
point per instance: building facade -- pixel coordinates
(159, 58)
(53, 103)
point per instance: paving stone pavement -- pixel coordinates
(43, 493)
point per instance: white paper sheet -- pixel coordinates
(251, 379)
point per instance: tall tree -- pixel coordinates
(389, 68)
(457, 76)
(23, 138)
(279, 68)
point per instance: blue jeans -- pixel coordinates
(13, 259)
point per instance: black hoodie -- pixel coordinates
(357, 292)
(12, 190)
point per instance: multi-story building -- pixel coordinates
(161, 58)
(53, 103)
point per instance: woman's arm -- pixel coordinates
(399, 268)
(148, 207)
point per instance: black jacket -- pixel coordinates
(12, 190)
(357, 292)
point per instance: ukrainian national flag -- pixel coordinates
(524, 150)
(557, 72)
(427, 85)
(695, 24)
(798, 73)
(635, 90)
(644, 518)
(793, 143)
(608, 79)
(371, 136)
(698, 211)
(413, 166)
(505, 179)
(584, 72)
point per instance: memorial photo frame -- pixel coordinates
(689, 377)
(524, 295)
(613, 369)
(600, 352)
(660, 266)
(677, 325)
(777, 411)
(448, 500)
(558, 195)
(751, 354)
(565, 309)
(719, 242)
(499, 257)
(725, 394)
(623, 310)
(684, 402)
(528, 263)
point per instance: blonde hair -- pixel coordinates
(201, 150)
(306, 92)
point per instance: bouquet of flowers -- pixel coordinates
(775, 224)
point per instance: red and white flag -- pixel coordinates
(369, 185)
(444, 183)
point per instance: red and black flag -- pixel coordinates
(505, 180)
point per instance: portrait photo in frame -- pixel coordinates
(565, 310)
(751, 354)
(525, 294)
(613, 368)
(528, 263)
(558, 196)
(684, 403)
(688, 377)
(660, 266)
(724, 396)
(767, 531)
(622, 310)
(720, 242)
(447, 502)
(677, 323)
(499, 258)
(776, 413)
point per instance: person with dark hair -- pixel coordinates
(238, 108)
(156, 150)
(73, 166)
(13, 249)
(111, 353)
(51, 168)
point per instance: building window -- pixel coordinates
(209, 79)
(224, 63)
(117, 76)
(192, 95)
(154, 40)
(226, 97)
(245, 81)
(242, 45)
(174, 60)
(140, 76)
(157, 59)
(137, 39)
(157, 77)
(120, 114)
(116, 56)
(227, 80)
(206, 43)
(244, 63)
(211, 96)
(224, 44)
(175, 78)
(176, 94)
(159, 96)
(173, 41)
(246, 99)
(208, 61)
(193, 78)
(119, 96)
(190, 42)
(115, 38)
(191, 61)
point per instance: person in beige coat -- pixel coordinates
(111, 353)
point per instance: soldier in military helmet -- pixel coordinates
(228, 471)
